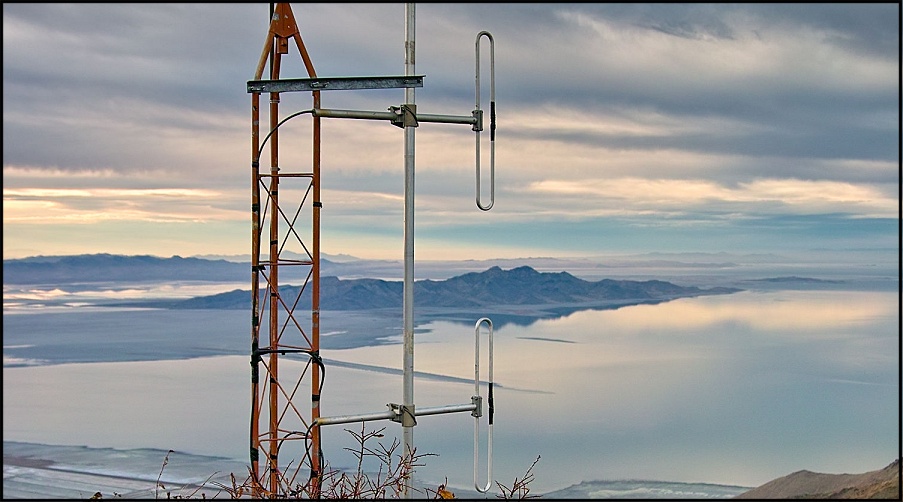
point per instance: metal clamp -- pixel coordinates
(478, 410)
(402, 414)
(405, 115)
(478, 114)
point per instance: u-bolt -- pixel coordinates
(478, 128)
(476, 420)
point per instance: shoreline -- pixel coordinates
(27, 470)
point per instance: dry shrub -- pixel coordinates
(394, 468)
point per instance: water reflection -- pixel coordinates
(733, 389)
(759, 310)
(736, 389)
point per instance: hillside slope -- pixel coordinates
(879, 484)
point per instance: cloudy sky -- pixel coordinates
(622, 128)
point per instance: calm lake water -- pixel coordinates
(736, 389)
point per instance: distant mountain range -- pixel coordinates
(493, 287)
(117, 268)
(104, 267)
(794, 279)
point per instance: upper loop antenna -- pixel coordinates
(479, 112)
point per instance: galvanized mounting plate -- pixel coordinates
(334, 83)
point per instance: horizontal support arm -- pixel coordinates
(334, 83)
(446, 119)
(353, 114)
(395, 116)
(451, 408)
(395, 413)
(347, 419)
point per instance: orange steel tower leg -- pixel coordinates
(276, 420)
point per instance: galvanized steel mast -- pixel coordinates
(408, 420)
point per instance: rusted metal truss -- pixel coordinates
(285, 333)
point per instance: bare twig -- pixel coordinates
(389, 480)
(159, 483)
(519, 489)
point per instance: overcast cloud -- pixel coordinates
(621, 127)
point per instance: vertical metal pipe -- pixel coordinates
(315, 304)
(274, 281)
(408, 307)
(255, 282)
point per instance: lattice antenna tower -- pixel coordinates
(280, 326)
(280, 427)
